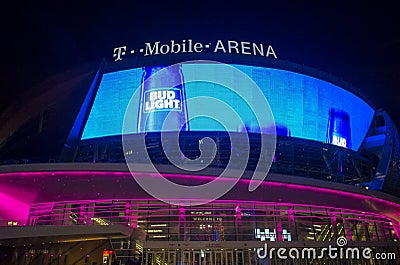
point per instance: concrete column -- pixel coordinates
(334, 225)
(182, 224)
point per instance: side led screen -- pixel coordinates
(303, 106)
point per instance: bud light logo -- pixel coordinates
(339, 141)
(339, 130)
(164, 110)
(163, 99)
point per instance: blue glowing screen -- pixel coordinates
(302, 106)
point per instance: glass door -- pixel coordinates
(229, 258)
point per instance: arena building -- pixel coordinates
(67, 194)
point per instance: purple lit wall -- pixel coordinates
(19, 190)
(15, 202)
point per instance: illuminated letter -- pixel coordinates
(184, 46)
(190, 45)
(150, 51)
(198, 47)
(153, 95)
(245, 46)
(166, 50)
(176, 104)
(332, 255)
(149, 106)
(118, 52)
(366, 253)
(321, 255)
(219, 45)
(271, 51)
(159, 104)
(271, 251)
(281, 253)
(170, 94)
(352, 251)
(260, 50)
(291, 253)
(162, 94)
(173, 45)
(264, 255)
(168, 104)
(233, 45)
(309, 251)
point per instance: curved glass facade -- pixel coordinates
(302, 106)
(293, 156)
(221, 220)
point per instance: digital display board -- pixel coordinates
(303, 106)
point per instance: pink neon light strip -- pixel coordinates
(196, 177)
(192, 177)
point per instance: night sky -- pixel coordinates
(357, 43)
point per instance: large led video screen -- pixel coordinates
(302, 106)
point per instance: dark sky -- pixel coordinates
(357, 43)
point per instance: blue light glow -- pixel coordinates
(303, 106)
